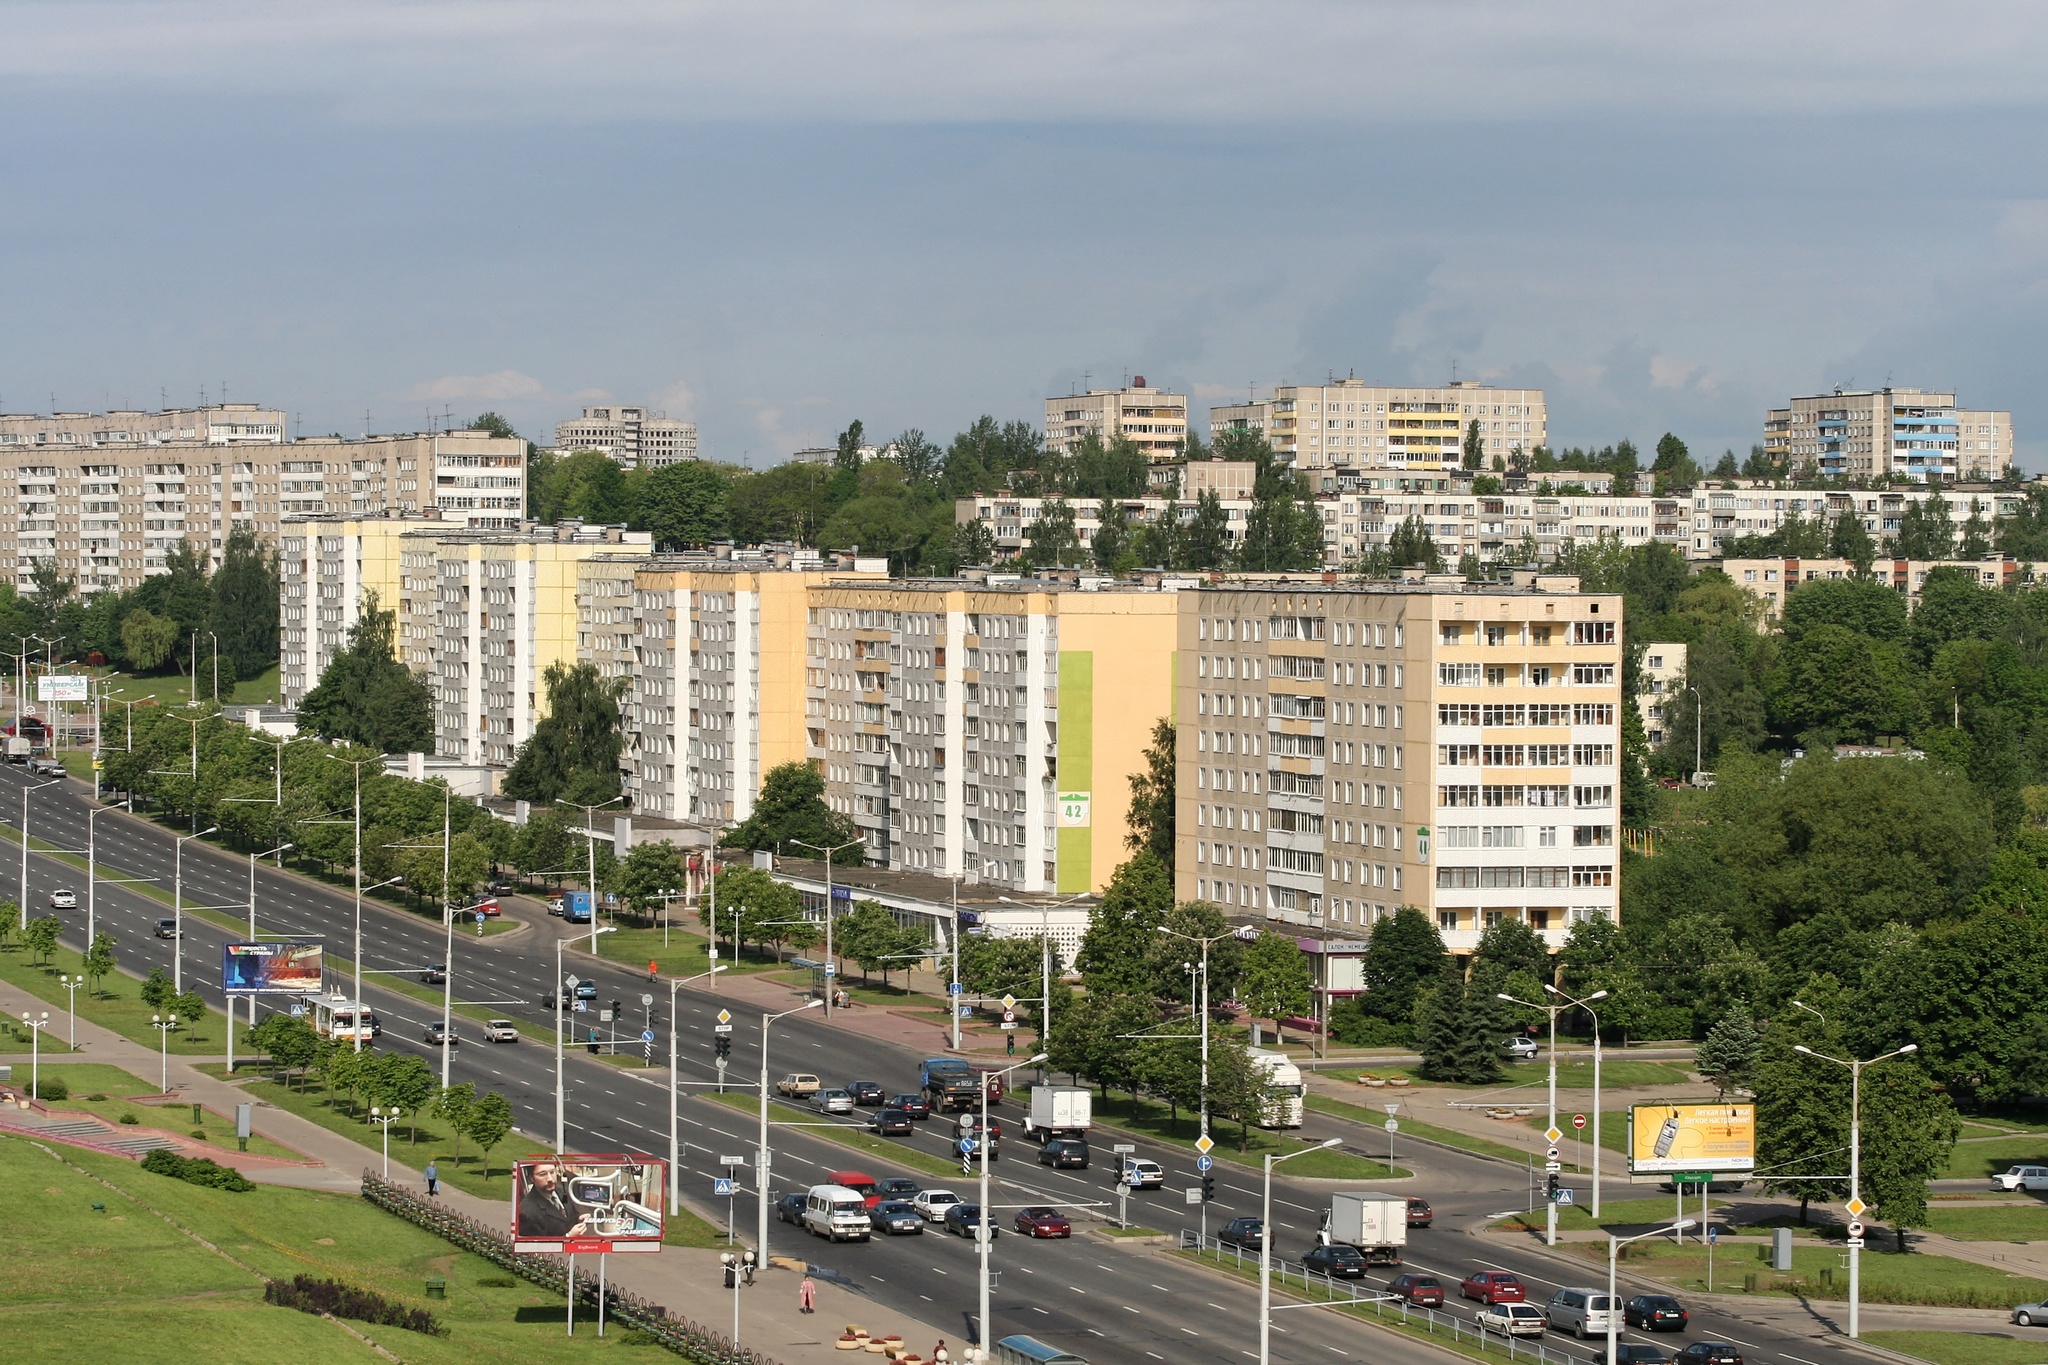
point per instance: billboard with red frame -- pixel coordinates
(587, 1204)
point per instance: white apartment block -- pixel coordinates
(1153, 419)
(1663, 675)
(328, 567)
(1890, 433)
(224, 424)
(1010, 519)
(1345, 751)
(1350, 424)
(1496, 527)
(636, 437)
(1732, 509)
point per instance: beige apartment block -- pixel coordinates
(1350, 424)
(1153, 419)
(1774, 580)
(1732, 509)
(1914, 434)
(328, 567)
(222, 424)
(1345, 751)
(636, 437)
(1663, 674)
(1497, 527)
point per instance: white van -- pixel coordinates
(836, 1212)
(1582, 1312)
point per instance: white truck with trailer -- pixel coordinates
(1059, 1111)
(1376, 1224)
(1284, 1089)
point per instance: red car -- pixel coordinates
(1493, 1286)
(861, 1183)
(1423, 1290)
(1040, 1221)
(1420, 1214)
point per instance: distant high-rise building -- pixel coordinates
(635, 437)
(1890, 433)
(1153, 419)
(1350, 424)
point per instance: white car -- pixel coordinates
(1521, 1049)
(931, 1205)
(501, 1031)
(1512, 1319)
(832, 1102)
(63, 900)
(2022, 1178)
(1140, 1174)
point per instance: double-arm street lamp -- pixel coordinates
(761, 1158)
(985, 1230)
(384, 1118)
(1266, 1245)
(675, 1146)
(1855, 1159)
(831, 979)
(36, 1024)
(1550, 1131)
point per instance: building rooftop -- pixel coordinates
(924, 886)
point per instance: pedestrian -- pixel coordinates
(807, 1296)
(433, 1174)
(939, 1352)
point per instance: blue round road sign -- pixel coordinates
(1203, 1163)
(647, 1035)
(967, 1144)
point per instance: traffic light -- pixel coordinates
(618, 1010)
(1550, 1184)
(1208, 1186)
(722, 1047)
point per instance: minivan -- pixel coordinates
(1582, 1312)
(838, 1213)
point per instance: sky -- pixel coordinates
(772, 219)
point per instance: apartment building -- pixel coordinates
(1773, 580)
(1736, 508)
(1663, 675)
(328, 567)
(1353, 424)
(1010, 519)
(1915, 434)
(220, 424)
(634, 436)
(1496, 527)
(1345, 751)
(1153, 419)
(987, 730)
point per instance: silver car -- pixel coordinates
(2027, 1314)
(832, 1102)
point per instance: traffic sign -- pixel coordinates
(646, 1000)
(1564, 1194)
(1856, 1207)
(1552, 1167)
(1713, 1232)
(831, 970)
(725, 1016)
(952, 988)
(732, 1161)
(647, 1035)
(1195, 1196)
(967, 1145)
(1551, 1155)
(1854, 1244)
(1393, 1125)
(1204, 1143)
(604, 1016)
(581, 1006)
(1579, 1122)
(1009, 1026)
(571, 982)
(721, 1028)
(1203, 1163)
(1693, 1178)
(1009, 1003)
(1124, 1148)
(1553, 1135)
(1009, 1016)
(721, 1185)
(1855, 1229)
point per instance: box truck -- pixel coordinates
(1059, 1111)
(1376, 1224)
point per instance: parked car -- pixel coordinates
(1141, 1174)
(1337, 1260)
(1493, 1286)
(931, 1205)
(1247, 1234)
(866, 1092)
(897, 1187)
(1655, 1313)
(555, 906)
(861, 1183)
(501, 1031)
(1709, 1353)
(1064, 1154)
(63, 900)
(917, 1106)
(890, 1123)
(1424, 1291)
(833, 1101)
(1519, 1047)
(895, 1218)
(1582, 1312)
(500, 886)
(790, 1208)
(2021, 1178)
(797, 1085)
(1042, 1221)
(434, 976)
(438, 1033)
(166, 928)
(1512, 1319)
(961, 1218)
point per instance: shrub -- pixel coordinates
(498, 1282)
(197, 1171)
(95, 1097)
(50, 1088)
(130, 1118)
(340, 1300)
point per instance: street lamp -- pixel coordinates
(1266, 1245)
(357, 765)
(1205, 942)
(92, 879)
(25, 790)
(761, 1160)
(561, 1005)
(739, 1270)
(831, 968)
(1550, 1215)
(590, 842)
(71, 984)
(163, 1027)
(1045, 956)
(984, 1231)
(1855, 1160)
(384, 1118)
(178, 905)
(675, 1175)
(1584, 1005)
(1614, 1246)
(36, 1025)
(1699, 710)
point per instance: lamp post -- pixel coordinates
(163, 1026)
(92, 876)
(1266, 1245)
(25, 790)
(738, 1270)
(984, 1232)
(1856, 1162)
(357, 765)
(561, 1008)
(36, 1025)
(384, 1118)
(831, 965)
(178, 906)
(762, 1163)
(1699, 708)
(1553, 1010)
(216, 667)
(1614, 1245)
(1205, 942)
(71, 984)
(675, 1146)
(1045, 959)
(1596, 1096)
(590, 843)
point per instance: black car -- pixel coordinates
(1655, 1313)
(891, 1123)
(961, 1218)
(1336, 1260)
(1248, 1234)
(1709, 1353)
(790, 1208)
(897, 1187)
(1064, 1154)
(866, 1092)
(917, 1106)
(1634, 1353)
(896, 1218)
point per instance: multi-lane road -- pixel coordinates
(1108, 1303)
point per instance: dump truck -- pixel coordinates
(1059, 1111)
(1376, 1224)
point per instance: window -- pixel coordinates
(1592, 876)
(1458, 797)
(1592, 632)
(1451, 634)
(1593, 798)
(1592, 675)
(1464, 714)
(1458, 675)
(1502, 755)
(1456, 755)
(1592, 836)
(1447, 921)
(1592, 755)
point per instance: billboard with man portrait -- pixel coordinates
(271, 968)
(582, 1205)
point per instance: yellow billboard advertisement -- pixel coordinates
(1671, 1139)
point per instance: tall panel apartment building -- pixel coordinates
(1345, 751)
(1155, 420)
(1890, 433)
(635, 437)
(1350, 424)
(328, 569)
(988, 730)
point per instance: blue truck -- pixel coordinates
(576, 907)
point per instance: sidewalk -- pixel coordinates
(686, 1280)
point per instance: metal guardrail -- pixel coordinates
(1320, 1289)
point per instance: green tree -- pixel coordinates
(190, 1008)
(1729, 1055)
(454, 1103)
(1174, 959)
(1843, 685)
(791, 811)
(1512, 949)
(574, 750)
(918, 457)
(847, 457)
(1405, 955)
(1153, 801)
(684, 504)
(1674, 467)
(765, 906)
(99, 962)
(366, 696)
(491, 424)
(1238, 1090)
(1909, 1129)
(147, 639)
(587, 486)
(487, 1123)
(246, 602)
(1411, 545)
(973, 544)
(1052, 540)
(1111, 545)
(1857, 604)
(41, 937)
(649, 873)
(1122, 929)
(1204, 541)
(290, 1043)
(1849, 539)
(868, 934)
(1475, 446)
(1283, 533)
(1457, 1031)
(1276, 981)
(1925, 531)
(995, 967)
(408, 1082)
(156, 990)
(543, 848)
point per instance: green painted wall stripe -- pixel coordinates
(1076, 847)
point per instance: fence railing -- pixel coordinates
(1316, 1287)
(687, 1339)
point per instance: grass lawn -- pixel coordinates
(1574, 1075)
(1414, 1128)
(894, 1150)
(1156, 1121)
(1982, 1160)
(1996, 1223)
(1983, 1125)
(1964, 1348)
(174, 689)
(88, 1079)
(126, 1285)
(1818, 1272)
(118, 1006)
(685, 954)
(1615, 1214)
(1613, 1129)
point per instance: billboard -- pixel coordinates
(259, 968)
(1674, 1139)
(582, 1205)
(61, 687)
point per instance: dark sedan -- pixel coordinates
(1041, 1221)
(1246, 1234)
(890, 1123)
(1709, 1353)
(961, 1218)
(434, 976)
(1655, 1313)
(896, 1218)
(897, 1187)
(790, 1208)
(1424, 1291)
(869, 1093)
(917, 1106)
(1634, 1353)
(1064, 1154)
(1338, 1261)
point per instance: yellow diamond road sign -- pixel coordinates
(1856, 1208)
(1553, 1134)
(1203, 1144)
(725, 1016)
(1009, 1002)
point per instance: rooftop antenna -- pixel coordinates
(223, 393)
(447, 417)
(1454, 369)
(366, 424)
(298, 426)
(1087, 380)
(164, 396)
(202, 395)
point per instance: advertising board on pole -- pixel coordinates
(62, 687)
(1667, 1139)
(266, 968)
(585, 1205)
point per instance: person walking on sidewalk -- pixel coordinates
(807, 1296)
(433, 1174)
